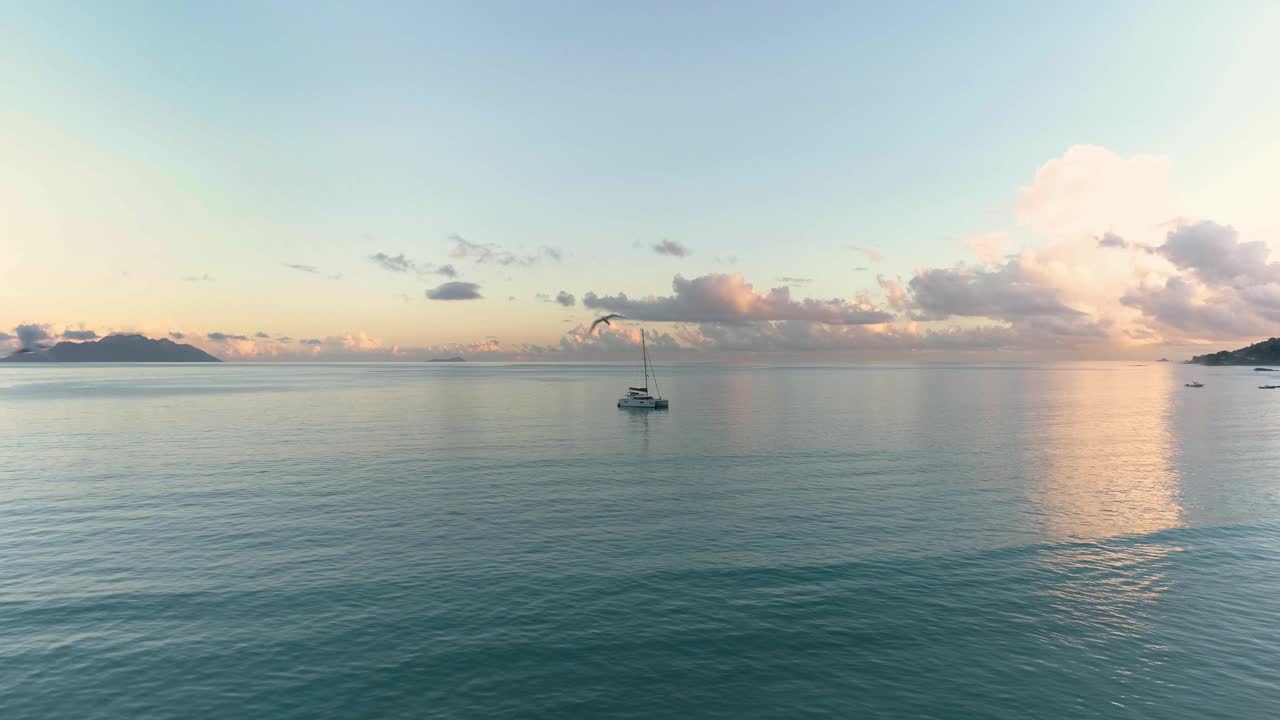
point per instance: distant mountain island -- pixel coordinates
(1266, 352)
(451, 359)
(117, 348)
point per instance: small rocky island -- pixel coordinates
(116, 348)
(455, 358)
(1266, 352)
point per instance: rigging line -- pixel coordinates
(657, 390)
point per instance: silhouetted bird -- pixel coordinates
(605, 320)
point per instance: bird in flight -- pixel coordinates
(605, 320)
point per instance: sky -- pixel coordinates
(839, 180)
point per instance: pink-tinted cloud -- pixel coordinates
(894, 293)
(731, 299)
(1224, 289)
(1090, 190)
(988, 247)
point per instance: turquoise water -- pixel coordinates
(406, 541)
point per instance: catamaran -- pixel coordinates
(639, 397)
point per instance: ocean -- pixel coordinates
(1076, 540)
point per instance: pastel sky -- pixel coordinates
(404, 180)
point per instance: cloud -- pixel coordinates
(731, 299)
(352, 346)
(261, 335)
(1108, 291)
(455, 291)
(1026, 292)
(394, 263)
(402, 264)
(32, 335)
(1226, 289)
(566, 299)
(725, 259)
(361, 347)
(79, 335)
(794, 281)
(357, 346)
(872, 254)
(793, 336)
(198, 278)
(1195, 312)
(894, 293)
(861, 268)
(1265, 297)
(975, 292)
(1112, 240)
(671, 247)
(177, 335)
(1214, 253)
(709, 339)
(494, 254)
(609, 339)
(673, 341)
(302, 268)
(1091, 189)
(989, 247)
(790, 336)
(6, 337)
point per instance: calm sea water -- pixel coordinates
(406, 541)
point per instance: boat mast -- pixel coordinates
(644, 353)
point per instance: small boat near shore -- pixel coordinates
(1194, 385)
(1269, 387)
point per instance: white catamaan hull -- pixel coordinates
(649, 403)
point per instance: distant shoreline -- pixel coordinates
(114, 348)
(1266, 352)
